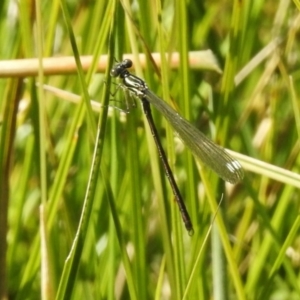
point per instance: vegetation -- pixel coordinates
(86, 211)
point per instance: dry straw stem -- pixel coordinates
(67, 65)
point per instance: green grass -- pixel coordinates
(85, 208)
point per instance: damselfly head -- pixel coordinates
(120, 68)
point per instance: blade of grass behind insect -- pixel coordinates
(137, 268)
(232, 56)
(100, 41)
(173, 249)
(243, 228)
(160, 279)
(149, 20)
(295, 105)
(184, 98)
(297, 3)
(283, 251)
(231, 65)
(198, 259)
(222, 233)
(133, 196)
(135, 171)
(56, 189)
(131, 279)
(21, 185)
(98, 17)
(255, 270)
(41, 105)
(86, 97)
(12, 96)
(49, 38)
(70, 269)
(119, 186)
(136, 206)
(10, 90)
(179, 276)
(112, 176)
(222, 124)
(25, 32)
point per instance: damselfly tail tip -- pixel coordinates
(191, 232)
(189, 227)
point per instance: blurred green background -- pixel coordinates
(79, 225)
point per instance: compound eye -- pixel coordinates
(127, 63)
(115, 71)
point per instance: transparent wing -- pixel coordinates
(214, 156)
